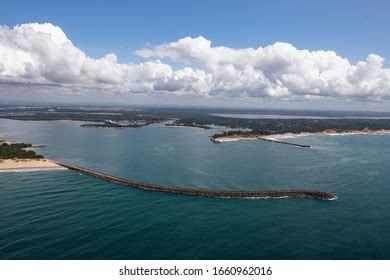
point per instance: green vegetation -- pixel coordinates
(81, 114)
(105, 125)
(17, 150)
(178, 123)
(279, 126)
(111, 116)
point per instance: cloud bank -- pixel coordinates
(42, 54)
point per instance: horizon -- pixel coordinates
(219, 109)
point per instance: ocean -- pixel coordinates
(64, 215)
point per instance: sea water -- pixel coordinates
(64, 215)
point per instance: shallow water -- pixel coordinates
(64, 215)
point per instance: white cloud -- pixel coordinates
(280, 70)
(42, 54)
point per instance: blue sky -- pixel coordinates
(351, 28)
(168, 68)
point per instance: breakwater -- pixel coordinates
(297, 193)
(284, 142)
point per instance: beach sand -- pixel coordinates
(277, 137)
(326, 133)
(26, 164)
(234, 138)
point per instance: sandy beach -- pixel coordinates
(277, 137)
(27, 164)
(234, 138)
(326, 133)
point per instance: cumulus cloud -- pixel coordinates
(42, 53)
(280, 70)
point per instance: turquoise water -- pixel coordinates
(64, 215)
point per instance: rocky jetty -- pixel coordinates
(296, 193)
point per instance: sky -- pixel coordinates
(288, 54)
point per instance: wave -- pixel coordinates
(281, 197)
(271, 197)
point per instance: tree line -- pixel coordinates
(17, 150)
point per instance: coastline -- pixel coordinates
(327, 133)
(12, 165)
(276, 137)
(184, 126)
(187, 126)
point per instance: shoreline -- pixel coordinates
(181, 126)
(327, 133)
(277, 137)
(15, 165)
(187, 126)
